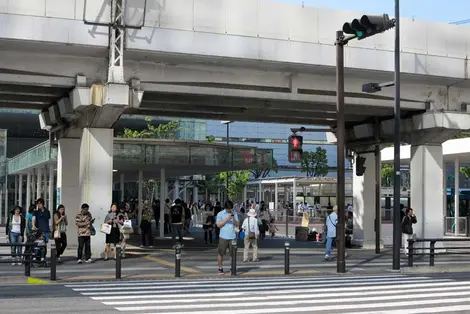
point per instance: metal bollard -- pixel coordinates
(410, 253)
(177, 260)
(431, 253)
(234, 258)
(53, 262)
(286, 258)
(118, 261)
(27, 262)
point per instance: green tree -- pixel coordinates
(264, 172)
(236, 183)
(162, 131)
(315, 164)
(387, 174)
(465, 171)
(210, 138)
(212, 184)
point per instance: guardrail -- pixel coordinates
(412, 250)
(27, 256)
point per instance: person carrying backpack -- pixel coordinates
(177, 220)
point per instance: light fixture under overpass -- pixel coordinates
(376, 87)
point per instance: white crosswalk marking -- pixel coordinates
(388, 294)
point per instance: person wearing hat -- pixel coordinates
(250, 225)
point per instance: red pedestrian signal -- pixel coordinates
(295, 148)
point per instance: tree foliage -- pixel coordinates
(236, 183)
(387, 174)
(212, 184)
(162, 131)
(465, 171)
(210, 138)
(264, 172)
(315, 164)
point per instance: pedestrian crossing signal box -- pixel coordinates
(295, 148)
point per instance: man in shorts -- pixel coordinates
(227, 221)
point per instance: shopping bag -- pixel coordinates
(56, 234)
(127, 224)
(105, 228)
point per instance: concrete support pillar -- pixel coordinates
(260, 192)
(39, 183)
(140, 186)
(68, 187)
(176, 190)
(6, 210)
(457, 196)
(294, 194)
(28, 191)
(16, 190)
(162, 203)
(364, 204)
(121, 186)
(2, 217)
(50, 188)
(33, 186)
(195, 194)
(20, 192)
(426, 190)
(244, 194)
(96, 178)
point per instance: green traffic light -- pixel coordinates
(359, 34)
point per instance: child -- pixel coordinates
(272, 228)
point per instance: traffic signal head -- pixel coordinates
(360, 169)
(295, 148)
(368, 25)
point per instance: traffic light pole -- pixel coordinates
(340, 146)
(396, 155)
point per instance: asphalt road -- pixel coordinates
(47, 299)
(387, 294)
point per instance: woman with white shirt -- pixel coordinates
(250, 225)
(15, 231)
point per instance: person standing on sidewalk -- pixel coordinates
(226, 221)
(14, 233)
(251, 227)
(113, 237)
(331, 223)
(42, 220)
(177, 220)
(407, 228)
(84, 220)
(60, 221)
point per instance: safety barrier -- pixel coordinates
(413, 251)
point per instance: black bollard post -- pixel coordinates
(234, 258)
(27, 261)
(286, 258)
(118, 261)
(177, 260)
(53, 262)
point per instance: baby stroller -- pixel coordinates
(38, 252)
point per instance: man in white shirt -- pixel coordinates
(250, 225)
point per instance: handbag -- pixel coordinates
(56, 234)
(242, 235)
(251, 235)
(105, 228)
(127, 224)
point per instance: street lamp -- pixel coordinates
(227, 123)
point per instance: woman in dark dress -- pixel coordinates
(114, 236)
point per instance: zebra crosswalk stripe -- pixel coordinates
(393, 294)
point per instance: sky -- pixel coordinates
(430, 10)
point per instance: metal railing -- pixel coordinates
(27, 256)
(431, 250)
(158, 152)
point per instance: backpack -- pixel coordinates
(176, 214)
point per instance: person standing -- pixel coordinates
(226, 221)
(60, 221)
(177, 220)
(407, 227)
(251, 227)
(84, 220)
(14, 233)
(331, 223)
(42, 217)
(113, 237)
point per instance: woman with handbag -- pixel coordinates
(113, 236)
(250, 225)
(60, 235)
